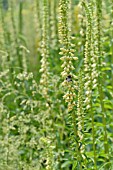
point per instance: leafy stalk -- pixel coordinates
(100, 80)
(88, 73)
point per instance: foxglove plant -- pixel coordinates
(44, 81)
(100, 72)
(67, 52)
(69, 83)
(89, 73)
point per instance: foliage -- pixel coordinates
(56, 85)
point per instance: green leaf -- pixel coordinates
(74, 165)
(65, 164)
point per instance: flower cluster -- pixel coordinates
(53, 25)
(81, 20)
(88, 57)
(67, 52)
(45, 53)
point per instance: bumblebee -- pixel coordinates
(69, 78)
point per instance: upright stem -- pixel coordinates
(100, 81)
(112, 40)
(20, 17)
(77, 143)
(80, 119)
(88, 71)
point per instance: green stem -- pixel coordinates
(88, 9)
(112, 41)
(92, 112)
(100, 81)
(77, 143)
(93, 136)
(20, 17)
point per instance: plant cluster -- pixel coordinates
(56, 85)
